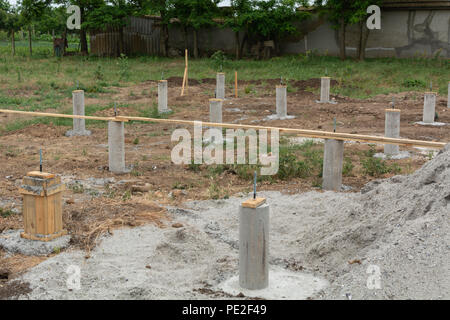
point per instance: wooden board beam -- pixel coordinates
(299, 132)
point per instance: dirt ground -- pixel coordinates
(98, 201)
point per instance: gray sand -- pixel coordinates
(400, 226)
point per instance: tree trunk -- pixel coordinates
(364, 39)
(83, 42)
(195, 44)
(29, 41)
(258, 50)
(13, 43)
(185, 38)
(163, 40)
(237, 45)
(244, 41)
(360, 40)
(342, 53)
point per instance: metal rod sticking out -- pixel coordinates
(77, 84)
(334, 124)
(40, 160)
(254, 187)
(115, 109)
(431, 85)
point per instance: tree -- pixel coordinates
(160, 7)
(359, 17)
(10, 22)
(86, 7)
(237, 20)
(273, 20)
(341, 13)
(112, 14)
(31, 11)
(193, 14)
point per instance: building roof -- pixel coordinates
(416, 4)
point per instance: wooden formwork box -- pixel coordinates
(42, 206)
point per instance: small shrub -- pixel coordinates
(98, 74)
(218, 59)
(414, 83)
(5, 212)
(348, 167)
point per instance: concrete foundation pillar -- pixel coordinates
(254, 247)
(162, 97)
(79, 127)
(116, 146)
(325, 89)
(429, 107)
(392, 130)
(220, 86)
(332, 164)
(215, 113)
(281, 101)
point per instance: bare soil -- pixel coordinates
(88, 215)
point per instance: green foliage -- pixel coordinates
(376, 167)
(218, 60)
(348, 167)
(414, 83)
(98, 74)
(4, 213)
(124, 67)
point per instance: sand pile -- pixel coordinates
(398, 226)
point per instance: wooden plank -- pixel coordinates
(253, 203)
(300, 132)
(40, 206)
(50, 218)
(55, 115)
(42, 175)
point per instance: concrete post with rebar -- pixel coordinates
(281, 101)
(392, 130)
(162, 97)
(332, 164)
(79, 125)
(429, 107)
(220, 86)
(116, 147)
(254, 247)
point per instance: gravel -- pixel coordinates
(390, 241)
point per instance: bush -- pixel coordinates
(218, 60)
(409, 83)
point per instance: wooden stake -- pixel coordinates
(184, 81)
(185, 76)
(235, 84)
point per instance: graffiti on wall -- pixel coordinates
(420, 34)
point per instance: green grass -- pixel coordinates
(42, 82)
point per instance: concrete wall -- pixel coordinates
(404, 33)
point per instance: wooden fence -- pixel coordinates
(140, 36)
